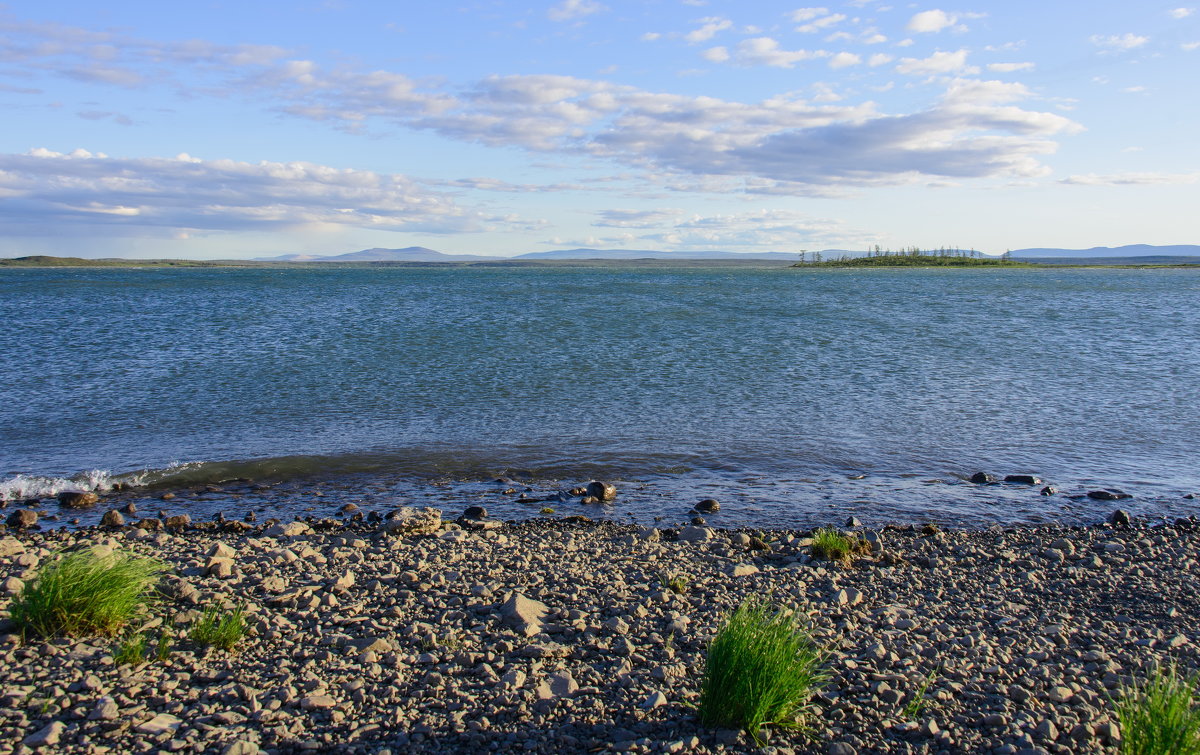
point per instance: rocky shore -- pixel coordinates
(415, 634)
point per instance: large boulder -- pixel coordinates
(75, 499)
(603, 491)
(411, 521)
(523, 614)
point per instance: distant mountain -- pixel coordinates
(378, 254)
(1133, 250)
(642, 254)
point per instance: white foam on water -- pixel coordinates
(20, 487)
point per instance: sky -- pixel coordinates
(218, 129)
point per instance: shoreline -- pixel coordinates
(392, 637)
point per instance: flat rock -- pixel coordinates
(695, 534)
(317, 702)
(47, 736)
(76, 499)
(523, 614)
(410, 521)
(163, 723)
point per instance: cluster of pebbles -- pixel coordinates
(415, 634)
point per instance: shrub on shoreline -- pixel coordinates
(762, 669)
(85, 593)
(1159, 716)
(831, 545)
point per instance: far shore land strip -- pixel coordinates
(408, 631)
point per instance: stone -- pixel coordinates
(1023, 479)
(21, 519)
(562, 684)
(602, 490)
(983, 478)
(221, 550)
(241, 747)
(841, 748)
(105, 709)
(222, 568)
(112, 519)
(407, 521)
(149, 525)
(874, 540)
(708, 506)
(47, 736)
(523, 614)
(317, 702)
(1048, 490)
(695, 534)
(10, 546)
(475, 512)
(1119, 518)
(1108, 494)
(11, 586)
(743, 570)
(177, 522)
(163, 723)
(75, 499)
(656, 700)
(853, 522)
(1059, 694)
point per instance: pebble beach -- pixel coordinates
(424, 632)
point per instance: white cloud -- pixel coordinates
(568, 10)
(709, 27)
(800, 15)
(875, 39)
(931, 21)
(765, 51)
(636, 218)
(651, 36)
(134, 196)
(1132, 179)
(1181, 12)
(844, 60)
(879, 59)
(1189, 46)
(818, 24)
(937, 63)
(1118, 42)
(1010, 67)
(716, 54)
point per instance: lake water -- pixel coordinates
(796, 397)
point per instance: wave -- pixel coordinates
(426, 465)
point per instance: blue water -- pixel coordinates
(769, 387)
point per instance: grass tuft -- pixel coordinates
(82, 593)
(219, 629)
(131, 651)
(762, 669)
(831, 545)
(1159, 715)
(676, 583)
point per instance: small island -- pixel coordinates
(913, 257)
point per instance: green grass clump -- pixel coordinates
(82, 593)
(219, 629)
(1159, 715)
(831, 545)
(762, 669)
(131, 651)
(676, 583)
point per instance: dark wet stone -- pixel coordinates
(853, 522)
(708, 506)
(983, 478)
(177, 522)
(22, 518)
(1119, 518)
(129, 508)
(349, 508)
(698, 521)
(603, 490)
(1023, 479)
(1109, 494)
(1049, 490)
(112, 519)
(474, 512)
(588, 500)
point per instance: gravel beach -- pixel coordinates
(419, 634)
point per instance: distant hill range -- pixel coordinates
(423, 254)
(1141, 252)
(1096, 252)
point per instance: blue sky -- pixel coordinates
(243, 129)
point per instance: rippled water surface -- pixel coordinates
(769, 388)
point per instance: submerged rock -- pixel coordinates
(708, 506)
(1109, 494)
(983, 478)
(22, 518)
